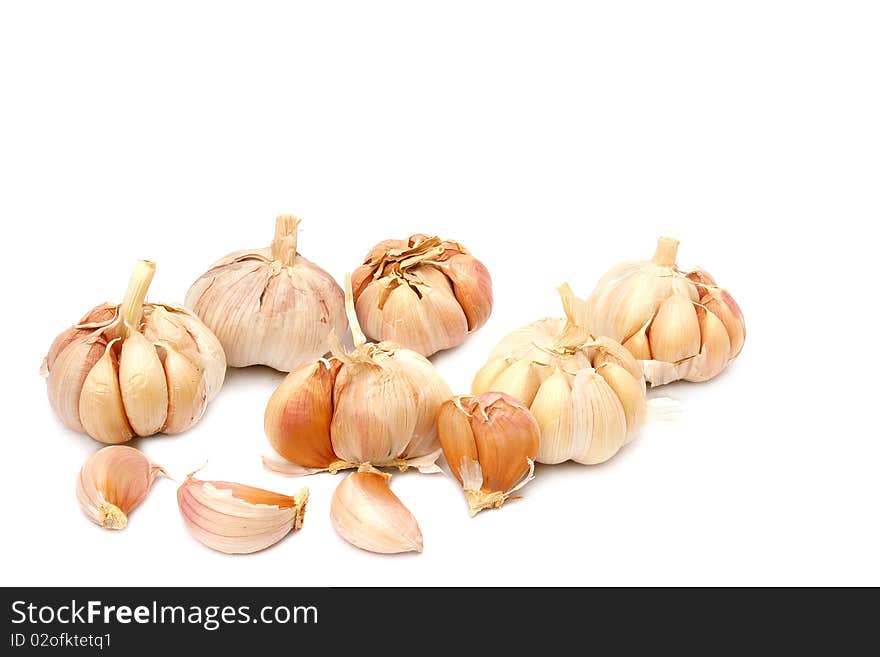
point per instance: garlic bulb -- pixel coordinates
(112, 482)
(238, 519)
(490, 442)
(368, 515)
(374, 405)
(270, 306)
(586, 393)
(679, 325)
(423, 293)
(134, 369)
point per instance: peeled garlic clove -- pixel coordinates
(143, 386)
(552, 409)
(238, 519)
(112, 482)
(368, 515)
(715, 348)
(490, 442)
(270, 306)
(423, 293)
(648, 305)
(298, 415)
(598, 419)
(109, 376)
(187, 395)
(101, 410)
(675, 332)
(630, 391)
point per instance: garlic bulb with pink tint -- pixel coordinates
(134, 369)
(238, 519)
(112, 482)
(678, 324)
(423, 293)
(270, 306)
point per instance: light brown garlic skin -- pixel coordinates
(678, 324)
(238, 519)
(135, 368)
(423, 293)
(112, 482)
(490, 442)
(376, 405)
(368, 515)
(270, 306)
(587, 393)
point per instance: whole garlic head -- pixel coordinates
(134, 369)
(422, 293)
(679, 325)
(587, 394)
(270, 306)
(376, 405)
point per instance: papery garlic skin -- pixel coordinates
(368, 515)
(238, 519)
(423, 293)
(375, 405)
(587, 394)
(134, 369)
(270, 306)
(490, 442)
(112, 482)
(678, 324)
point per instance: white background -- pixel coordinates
(554, 140)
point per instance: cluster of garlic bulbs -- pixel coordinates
(422, 293)
(376, 405)
(270, 306)
(134, 369)
(586, 393)
(490, 442)
(679, 325)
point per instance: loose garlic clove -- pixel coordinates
(112, 482)
(586, 393)
(133, 369)
(490, 442)
(423, 293)
(238, 519)
(376, 405)
(368, 515)
(652, 307)
(270, 306)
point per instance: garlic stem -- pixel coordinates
(132, 307)
(284, 245)
(357, 334)
(667, 249)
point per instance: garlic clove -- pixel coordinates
(610, 351)
(375, 413)
(675, 332)
(298, 415)
(432, 392)
(722, 305)
(714, 351)
(187, 396)
(638, 343)
(101, 410)
(520, 381)
(485, 378)
(238, 519)
(143, 386)
(69, 372)
(630, 391)
(112, 482)
(368, 515)
(598, 419)
(457, 437)
(472, 286)
(552, 409)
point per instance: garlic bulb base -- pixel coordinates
(112, 517)
(478, 500)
